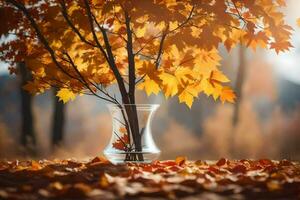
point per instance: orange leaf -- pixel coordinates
(281, 46)
(180, 160)
(227, 95)
(103, 181)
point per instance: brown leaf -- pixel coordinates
(239, 169)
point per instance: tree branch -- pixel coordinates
(185, 21)
(161, 44)
(166, 32)
(131, 63)
(90, 18)
(108, 54)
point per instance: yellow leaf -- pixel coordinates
(218, 77)
(170, 84)
(151, 81)
(211, 89)
(188, 91)
(140, 32)
(298, 22)
(173, 25)
(175, 52)
(186, 97)
(150, 86)
(65, 95)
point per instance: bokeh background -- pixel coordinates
(264, 122)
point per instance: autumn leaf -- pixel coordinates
(140, 32)
(123, 130)
(180, 160)
(281, 46)
(217, 77)
(298, 22)
(151, 82)
(170, 84)
(103, 181)
(65, 95)
(221, 162)
(227, 95)
(187, 93)
(35, 165)
(32, 87)
(150, 86)
(121, 143)
(186, 97)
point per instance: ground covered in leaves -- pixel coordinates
(174, 179)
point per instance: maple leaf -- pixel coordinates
(187, 93)
(186, 97)
(151, 82)
(121, 143)
(281, 46)
(170, 84)
(217, 77)
(150, 86)
(227, 95)
(65, 95)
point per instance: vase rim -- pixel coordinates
(139, 106)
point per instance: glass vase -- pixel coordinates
(131, 139)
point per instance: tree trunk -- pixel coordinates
(239, 85)
(28, 139)
(58, 122)
(132, 117)
(239, 91)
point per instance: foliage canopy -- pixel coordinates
(167, 46)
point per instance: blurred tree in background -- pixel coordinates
(28, 138)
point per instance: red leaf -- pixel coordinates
(121, 143)
(168, 163)
(148, 168)
(221, 162)
(265, 162)
(174, 168)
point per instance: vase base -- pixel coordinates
(131, 157)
